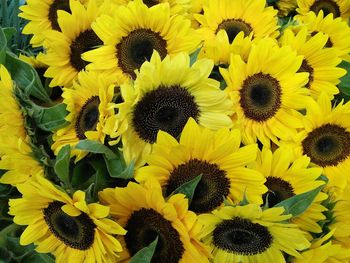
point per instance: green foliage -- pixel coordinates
(188, 188)
(344, 85)
(96, 147)
(194, 56)
(145, 255)
(62, 165)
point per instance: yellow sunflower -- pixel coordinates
(164, 96)
(90, 105)
(321, 63)
(64, 49)
(42, 16)
(267, 91)
(325, 138)
(145, 214)
(339, 8)
(217, 156)
(338, 31)
(131, 35)
(285, 7)
(250, 234)
(234, 16)
(16, 155)
(69, 228)
(287, 177)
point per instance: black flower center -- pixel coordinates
(241, 236)
(327, 145)
(144, 226)
(54, 7)
(327, 6)
(260, 97)
(278, 191)
(211, 189)
(233, 27)
(76, 232)
(305, 67)
(88, 117)
(137, 47)
(86, 41)
(151, 3)
(166, 109)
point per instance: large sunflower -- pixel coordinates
(135, 30)
(338, 31)
(64, 49)
(286, 178)
(217, 156)
(326, 139)
(145, 214)
(250, 234)
(164, 96)
(90, 105)
(69, 228)
(15, 152)
(234, 16)
(267, 91)
(321, 63)
(339, 8)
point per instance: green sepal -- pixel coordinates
(194, 56)
(188, 188)
(145, 255)
(96, 147)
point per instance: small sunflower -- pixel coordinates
(145, 214)
(234, 16)
(267, 91)
(64, 49)
(90, 105)
(287, 177)
(338, 31)
(163, 97)
(69, 228)
(321, 63)
(250, 234)
(129, 40)
(326, 139)
(217, 156)
(15, 152)
(339, 8)
(285, 7)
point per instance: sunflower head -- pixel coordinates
(339, 8)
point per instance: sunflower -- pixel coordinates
(234, 16)
(217, 156)
(338, 31)
(16, 154)
(250, 234)
(339, 8)
(145, 214)
(64, 49)
(321, 63)
(287, 177)
(325, 138)
(90, 105)
(129, 41)
(284, 7)
(267, 91)
(69, 228)
(164, 96)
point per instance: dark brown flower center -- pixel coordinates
(241, 236)
(144, 226)
(88, 117)
(76, 232)
(327, 145)
(54, 7)
(166, 109)
(278, 191)
(327, 6)
(137, 47)
(328, 43)
(233, 27)
(151, 3)
(305, 67)
(211, 189)
(260, 97)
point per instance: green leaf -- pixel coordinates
(344, 84)
(96, 147)
(38, 258)
(51, 119)
(297, 204)
(188, 188)
(194, 56)
(3, 46)
(118, 169)
(9, 32)
(145, 255)
(62, 165)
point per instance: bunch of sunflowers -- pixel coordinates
(172, 131)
